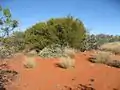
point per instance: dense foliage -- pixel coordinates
(62, 31)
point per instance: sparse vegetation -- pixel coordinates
(6, 76)
(59, 38)
(105, 58)
(112, 47)
(95, 41)
(29, 62)
(55, 50)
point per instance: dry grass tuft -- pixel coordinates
(66, 62)
(100, 57)
(105, 58)
(29, 62)
(114, 47)
(70, 52)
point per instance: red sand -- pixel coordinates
(46, 76)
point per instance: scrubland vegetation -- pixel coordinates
(56, 38)
(52, 38)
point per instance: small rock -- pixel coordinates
(115, 89)
(92, 80)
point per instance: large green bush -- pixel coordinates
(62, 31)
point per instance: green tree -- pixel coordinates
(7, 24)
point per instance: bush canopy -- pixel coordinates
(63, 31)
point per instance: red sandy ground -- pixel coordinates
(47, 76)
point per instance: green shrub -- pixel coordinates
(63, 31)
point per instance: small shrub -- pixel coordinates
(56, 50)
(56, 30)
(90, 42)
(66, 62)
(51, 51)
(29, 63)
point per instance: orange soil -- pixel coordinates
(47, 76)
